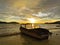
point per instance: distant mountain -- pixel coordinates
(57, 22)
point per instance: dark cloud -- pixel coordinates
(50, 6)
(48, 3)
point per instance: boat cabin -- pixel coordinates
(30, 26)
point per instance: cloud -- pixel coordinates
(22, 9)
(40, 14)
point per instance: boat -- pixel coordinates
(35, 31)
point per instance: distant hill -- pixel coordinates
(13, 22)
(2, 22)
(8, 23)
(57, 22)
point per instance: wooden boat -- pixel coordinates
(39, 33)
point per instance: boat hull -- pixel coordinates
(32, 33)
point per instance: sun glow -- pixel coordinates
(31, 20)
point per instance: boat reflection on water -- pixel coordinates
(35, 31)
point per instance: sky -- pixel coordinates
(21, 10)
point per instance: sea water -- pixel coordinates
(19, 39)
